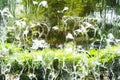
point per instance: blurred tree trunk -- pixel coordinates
(104, 17)
(55, 11)
(12, 6)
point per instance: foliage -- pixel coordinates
(113, 3)
(38, 61)
(81, 7)
(55, 11)
(114, 27)
(33, 10)
(51, 21)
(3, 3)
(16, 67)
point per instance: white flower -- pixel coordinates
(39, 58)
(35, 2)
(110, 36)
(55, 28)
(69, 50)
(69, 36)
(39, 44)
(44, 4)
(65, 8)
(6, 12)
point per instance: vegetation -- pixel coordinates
(59, 39)
(47, 61)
